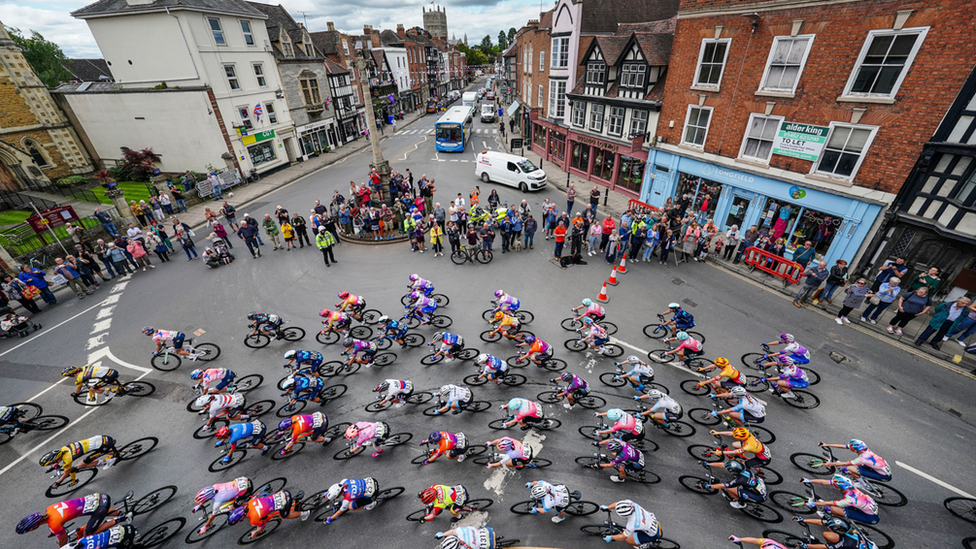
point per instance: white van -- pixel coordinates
(469, 99)
(511, 170)
(487, 113)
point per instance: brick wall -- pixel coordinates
(540, 42)
(944, 60)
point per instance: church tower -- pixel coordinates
(435, 22)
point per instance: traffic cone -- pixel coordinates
(603, 294)
(623, 264)
(613, 277)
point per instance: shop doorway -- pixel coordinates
(737, 211)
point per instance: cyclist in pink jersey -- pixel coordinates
(590, 309)
(160, 337)
(224, 496)
(516, 454)
(855, 505)
(363, 432)
(525, 412)
(687, 348)
(627, 425)
(868, 463)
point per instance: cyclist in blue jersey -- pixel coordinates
(252, 432)
(121, 536)
(681, 320)
(303, 387)
(494, 369)
(357, 494)
(451, 344)
(394, 329)
(304, 361)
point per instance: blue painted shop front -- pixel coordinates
(837, 225)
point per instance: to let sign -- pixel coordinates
(802, 141)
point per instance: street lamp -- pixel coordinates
(379, 164)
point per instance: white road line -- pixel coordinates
(484, 144)
(33, 398)
(415, 147)
(929, 477)
(56, 326)
(107, 353)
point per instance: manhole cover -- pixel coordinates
(677, 281)
(689, 302)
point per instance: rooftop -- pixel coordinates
(88, 70)
(105, 8)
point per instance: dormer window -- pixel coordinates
(596, 73)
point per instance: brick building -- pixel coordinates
(804, 118)
(340, 51)
(531, 76)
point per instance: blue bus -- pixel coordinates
(453, 131)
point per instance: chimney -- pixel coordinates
(139, 2)
(400, 32)
(367, 30)
(301, 26)
(374, 38)
(331, 26)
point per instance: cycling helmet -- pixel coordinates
(205, 495)
(428, 495)
(538, 492)
(236, 515)
(786, 338)
(514, 403)
(720, 361)
(587, 320)
(733, 466)
(587, 301)
(566, 376)
(148, 330)
(384, 385)
(383, 319)
(740, 433)
(624, 508)
(50, 458)
(223, 432)
(334, 491)
(347, 342)
(253, 315)
(434, 436)
(615, 413)
(738, 392)
(505, 445)
(632, 359)
(450, 542)
(482, 359)
(197, 374)
(614, 446)
(70, 371)
(838, 525)
(30, 523)
(674, 306)
(325, 312)
(284, 424)
(841, 482)
(437, 335)
(445, 389)
(414, 277)
(352, 432)
(785, 361)
(499, 315)
(682, 335)
(499, 293)
(202, 401)
(343, 295)
(290, 355)
(288, 383)
(529, 338)
(857, 445)
(654, 394)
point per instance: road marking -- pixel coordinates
(119, 286)
(929, 477)
(453, 160)
(102, 325)
(415, 147)
(104, 313)
(95, 342)
(114, 298)
(53, 385)
(107, 353)
(56, 326)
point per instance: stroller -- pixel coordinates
(218, 255)
(12, 324)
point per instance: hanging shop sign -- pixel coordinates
(802, 141)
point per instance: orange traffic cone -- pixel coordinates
(623, 264)
(613, 277)
(603, 294)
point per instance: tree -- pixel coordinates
(502, 40)
(44, 57)
(486, 44)
(511, 36)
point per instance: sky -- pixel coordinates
(475, 17)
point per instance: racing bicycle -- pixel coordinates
(703, 416)
(88, 397)
(259, 339)
(610, 528)
(239, 385)
(28, 418)
(167, 359)
(880, 491)
(220, 522)
(703, 485)
(470, 451)
(660, 331)
(388, 441)
(83, 476)
(577, 506)
(576, 345)
(471, 506)
(640, 476)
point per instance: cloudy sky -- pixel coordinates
(475, 17)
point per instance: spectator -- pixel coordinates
(607, 228)
(888, 270)
(272, 231)
(230, 214)
(595, 202)
(137, 250)
(325, 240)
(945, 316)
(89, 263)
(855, 297)
(570, 198)
(516, 234)
(160, 231)
(804, 255)
(281, 215)
(345, 220)
(930, 279)
(120, 260)
(72, 276)
(16, 289)
(254, 223)
(106, 221)
(835, 279)
(410, 185)
(123, 243)
(613, 247)
(493, 200)
(376, 182)
(437, 239)
(576, 236)
(137, 211)
(102, 251)
(593, 242)
(531, 226)
(418, 236)
(965, 324)
(185, 239)
(133, 232)
(690, 239)
(83, 271)
(301, 230)
(157, 208)
(731, 242)
(166, 203)
(637, 240)
(886, 295)
(748, 240)
(487, 235)
(815, 275)
(506, 228)
(910, 305)
(156, 244)
(78, 234)
(560, 236)
(215, 186)
(472, 236)
(248, 234)
(178, 197)
(440, 215)
(218, 228)
(667, 245)
(35, 278)
(651, 240)
(454, 237)
(288, 234)
(147, 210)
(189, 181)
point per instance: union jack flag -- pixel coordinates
(258, 112)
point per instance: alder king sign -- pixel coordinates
(803, 141)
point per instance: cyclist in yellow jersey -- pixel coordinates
(64, 458)
(440, 496)
(727, 377)
(746, 443)
(508, 324)
(99, 378)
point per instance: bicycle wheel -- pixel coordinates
(138, 448)
(282, 454)
(525, 317)
(327, 337)
(259, 408)
(693, 387)
(432, 411)
(397, 439)
(153, 500)
(477, 406)
(591, 402)
(791, 502)
(575, 345)
(812, 376)
(432, 359)
(257, 341)
(613, 379)
(289, 409)
(315, 501)
(696, 362)
(489, 336)
(698, 485)
(704, 453)
(804, 400)
(248, 383)
(610, 327)
(810, 463)
(761, 433)
(200, 433)
(514, 380)
(458, 258)
(785, 539)
(581, 508)
(269, 529)
(660, 355)
(413, 340)
(467, 354)
(589, 431)
(475, 450)
(755, 361)
(337, 368)
(549, 397)
(293, 333)
(484, 256)
(703, 416)
(219, 464)
(384, 359)
(195, 536)
(160, 534)
(498, 424)
(371, 316)
(697, 335)
(601, 530)
(28, 410)
(554, 365)
(83, 477)
(475, 505)
(361, 332)
(206, 351)
(82, 398)
(756, 384)
(570, 324)
(417, 516)
(48, 423)
(655, 331)
(762, 513)
(538, 463)
(964, 508)
(500, 541)
(547, 424)
(166, 362)
(665, 543)
(882, 540)
(139, 388)
(346, 453)
(475, 380)
(441, 321)
(525, 507)
(885, 494)
(441, 299)
(387, 494)
(679, 429)
(643, 477)
(589, 461)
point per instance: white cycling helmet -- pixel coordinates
(539, 491)
(632, 359)
(624, 508)
(738, 392)
(450, 542)
(334, 491)
(482, 359)
(674, 306)
(203, 401)
(654, 394)
(289, 355)
(445, 389)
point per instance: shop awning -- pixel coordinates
(513, 108)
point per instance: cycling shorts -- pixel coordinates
(748, 495)
(97, 516)
(599, 341)
(671, 416)
(368, 352)
(579, 393)
(690, 353)
(109, 379)
(728, 384)
(107, 447)
(178, 340)
(870, 473)
(633, 466)
(642, 537)
(746, 416)
(855, 514)
(757, 462)
(627, 437)
(361, 502)
(684, 325)
(531, 419)
(226, 381)
(845, 542)
(797, 383)
(800, 359)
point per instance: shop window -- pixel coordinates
(603, 164)
(696, 126)
(539, 136)
(711, 62)
(786, 60)
(557, 146)
(845, 149)
(758, 143)
(262, 153)
(817, 227)
(631, 173)
(884, 60)
(702, 195)
(581, 157)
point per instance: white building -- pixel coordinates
(220, 46)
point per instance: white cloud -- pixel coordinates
(477, 18)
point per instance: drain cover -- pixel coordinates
(689, 302)
(677, 281)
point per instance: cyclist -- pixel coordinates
(745, 487)
(855, 505)
(749, 409)
(592, 310)
(792, 349)
(63, 459)
(727, 377)
(354, 303)
(336, 321)
(625, 458)
(467, 537)
(455, 398)
(304, 361)
(97, 378)
(524, 412)
(537, 349)
(225, 496)
(354, 347)
(640, 372)
(441, 496)
(363, 432)
(642, 527)
(303, 387)
(418, 284)
(681, 320)
(550, 497)
(230, 404)
(160, 337)
(451, 344)
(261, 509)
(123, 535)
(394, 329)
(314, 425)
(790, 377)
(508, 325)
(250, 433)
(868, 463)
(265, 323)
(663, 410)
(516, 453)
(842, 535)
(505, 302)
(94, 506)
(448, 444)
(687, 348)
(220, 377)
(397, 391)
(596, 336)
(357, 494)
(576, 387)
(632, 429)
(495, 369)
(746, 443)
(764, 543)
(422, 307)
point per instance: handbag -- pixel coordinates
(874, 300)
(30, 292)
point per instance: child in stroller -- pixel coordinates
(218, 255)
(12, 324)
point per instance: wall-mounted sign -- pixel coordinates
(802, 141)
(258, 137)
(796, 193)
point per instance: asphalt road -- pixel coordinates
(908, 409)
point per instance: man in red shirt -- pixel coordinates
(560, 233)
